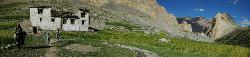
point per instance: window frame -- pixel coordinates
(52, 20)
(72, 21)
(41, 19)
(40, 10)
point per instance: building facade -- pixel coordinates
(42, 18)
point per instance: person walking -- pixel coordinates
(19, 35)
(58, 35)
(23, 36)
(47, 37)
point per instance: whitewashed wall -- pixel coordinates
(46, 23)
(78, 24)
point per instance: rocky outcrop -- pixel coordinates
(185, 27)
(198, 23)
(222, 25)
(142, 12)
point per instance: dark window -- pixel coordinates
(40, 11)
(83, 21)
(64, 21)
(53, 20)
(83, 14)
(41, 19)
(72, 21)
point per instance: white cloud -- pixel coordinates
(244, 18)
(234, 2)
(199, 9)
(235, 16)
(245, 23)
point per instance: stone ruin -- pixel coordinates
(44, 18)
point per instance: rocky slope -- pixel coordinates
(142, 12)
(223, 24)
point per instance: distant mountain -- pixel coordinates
(215, 28)
(198, 23)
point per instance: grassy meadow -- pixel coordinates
(35, 45)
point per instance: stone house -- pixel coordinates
(44, 18)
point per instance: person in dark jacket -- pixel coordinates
(23, 35)
(58, 35)
(18, 35)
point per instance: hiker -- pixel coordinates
(23, 35)
(47, 37)
(18, 35)
(58, 35)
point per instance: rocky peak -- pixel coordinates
(222, 24)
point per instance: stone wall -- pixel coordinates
(77, 26)
(44, 20)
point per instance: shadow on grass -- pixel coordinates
(37, 47)
(240, 37)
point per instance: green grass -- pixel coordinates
(176, 48)
(124, 24)
(32, 44)
(6, 37)
(7, 25)
(14, 9)
(104, 51)
(6, 18)
(6, 34)
(239, 37)
(34, 47)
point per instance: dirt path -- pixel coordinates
(52, 52)
(139, 52)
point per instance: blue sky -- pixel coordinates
(238, 9)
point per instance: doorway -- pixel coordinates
(34, 30)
